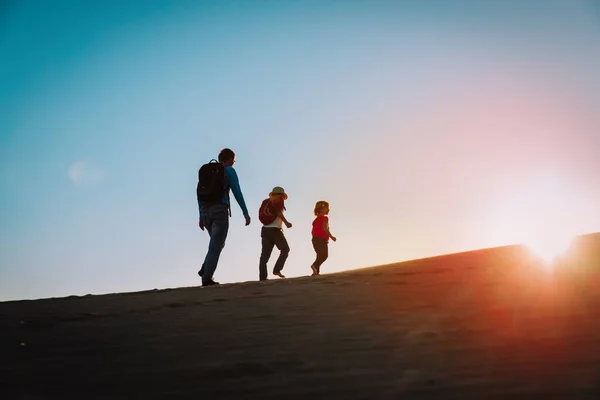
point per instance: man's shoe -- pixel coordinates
(314, 270)
(209, 282)
(279, 274)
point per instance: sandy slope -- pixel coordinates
(485, 324)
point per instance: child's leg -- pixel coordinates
(324, 255)
(265, 254)
(320, 246)
(281, 242)
(313, 267)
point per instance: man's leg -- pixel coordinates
(218, 233)
(265, 254)
(284, 248)
(205, 215)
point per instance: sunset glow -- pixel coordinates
(550, 246)
(544, 213)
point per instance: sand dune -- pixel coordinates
(486, 324)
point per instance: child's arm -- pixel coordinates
(277, 203)
(285, 221)
(326, 229)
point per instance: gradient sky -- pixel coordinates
(430, 126)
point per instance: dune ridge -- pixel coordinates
(491, 323)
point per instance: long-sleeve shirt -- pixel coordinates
(232, 182)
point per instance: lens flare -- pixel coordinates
(550, 246)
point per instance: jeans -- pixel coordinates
(272, 237)
(216, 222)
(321, 248)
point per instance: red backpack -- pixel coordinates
(267, 213)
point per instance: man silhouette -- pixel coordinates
(214, 217)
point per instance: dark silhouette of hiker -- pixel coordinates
(215, 179)
(321, 235)
(272, 218)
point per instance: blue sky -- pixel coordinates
(430, 126)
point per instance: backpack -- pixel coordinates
(211, 182)
(267, 213)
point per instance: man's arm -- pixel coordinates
(237, 190)
(200, 222)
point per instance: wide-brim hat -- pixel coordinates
(279, 190)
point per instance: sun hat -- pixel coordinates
(279, 190)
